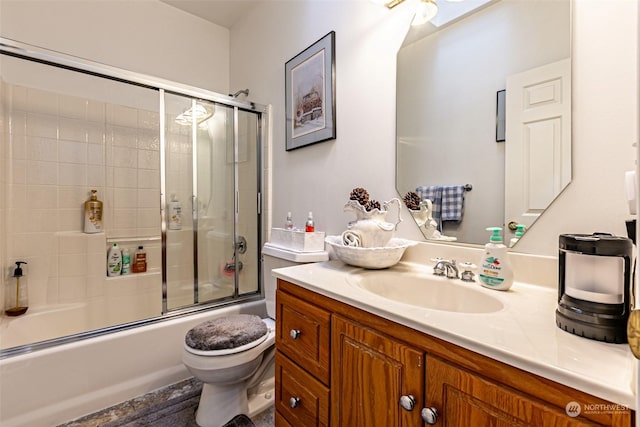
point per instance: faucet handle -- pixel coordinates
(467, 274)
(439, 268)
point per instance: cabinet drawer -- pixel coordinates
(303, 334)
(301, 399)
(281, 421)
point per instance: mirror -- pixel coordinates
(484, 103)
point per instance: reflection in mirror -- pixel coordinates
(449, 130)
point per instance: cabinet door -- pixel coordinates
(369, 374)
(464, 399)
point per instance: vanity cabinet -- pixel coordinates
(341, 366)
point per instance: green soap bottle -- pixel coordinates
(495, 271)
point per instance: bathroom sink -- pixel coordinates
(425, 290)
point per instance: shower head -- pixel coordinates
(245, 92)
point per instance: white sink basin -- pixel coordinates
(422, 289)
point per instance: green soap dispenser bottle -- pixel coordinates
(16, 298)
(495, 271)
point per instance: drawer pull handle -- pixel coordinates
(294, 402)
(429, 415)
(294, 333)
(407, 402)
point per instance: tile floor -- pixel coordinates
(172, 406)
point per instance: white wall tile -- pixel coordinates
(122, 136)
(41, 196)
(18, 171)
(72, 243)
(42, 125)
(43, 149)
(148, 159)
(148, 199)
(72, 152)
(42, 172)
(125, 198)
(122, 116)
(96, 111)
(95, 154)
(71, 219)
(125, 157)
(124, 218)
(72, 129)
(96, 132)
(149, 178)
(73, 265)
(72, 174)
(125, 177)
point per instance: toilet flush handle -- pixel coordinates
(295, 333)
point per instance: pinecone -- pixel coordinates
(360, 195)
(371, 205)
(412, 201)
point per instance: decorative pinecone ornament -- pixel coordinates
(412, 201)
(360, 195)
(371, 205)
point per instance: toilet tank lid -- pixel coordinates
(295, 256)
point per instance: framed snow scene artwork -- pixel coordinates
(310, 102)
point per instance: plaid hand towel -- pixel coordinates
(448, 201)
(452, 202)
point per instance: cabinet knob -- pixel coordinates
(294, 402)
(294, 333)
(429, 415)
(407, 402)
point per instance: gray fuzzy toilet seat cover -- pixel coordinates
(226, 332)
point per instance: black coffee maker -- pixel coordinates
(594, 291)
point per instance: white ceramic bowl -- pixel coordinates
(372, 258)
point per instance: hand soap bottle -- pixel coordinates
(495, 271)
(518, 235)
(16, 298)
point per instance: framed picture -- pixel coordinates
(500, 115)
(310, 89)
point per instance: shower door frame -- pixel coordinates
(28, 52)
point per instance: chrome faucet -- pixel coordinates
(446, 268)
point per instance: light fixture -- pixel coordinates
(198, 114)
(426, 10)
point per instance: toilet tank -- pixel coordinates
(276, 257)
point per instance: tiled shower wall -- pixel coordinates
(59, 148)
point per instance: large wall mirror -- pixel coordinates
(484, 115)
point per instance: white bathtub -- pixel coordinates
(51, 386)
(43, 323)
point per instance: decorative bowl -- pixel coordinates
(371, 258)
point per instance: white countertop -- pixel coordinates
(523, 334)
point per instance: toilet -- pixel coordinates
(234, 355)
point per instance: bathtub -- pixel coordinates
(51, 386)
(43, 323)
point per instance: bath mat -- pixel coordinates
(240, 421)
(226, 332)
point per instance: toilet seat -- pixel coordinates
(238, 323)
(227, 351)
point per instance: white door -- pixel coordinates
(538, 140)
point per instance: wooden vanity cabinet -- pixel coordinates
(356, 369)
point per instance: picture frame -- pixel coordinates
(500, 115)
(310, 88)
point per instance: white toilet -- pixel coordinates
(237, 366)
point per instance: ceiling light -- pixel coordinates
(198, 114)
(426, 10)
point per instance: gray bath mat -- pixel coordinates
(240, 421)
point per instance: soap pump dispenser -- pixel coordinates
(16, 298)
(495, 272)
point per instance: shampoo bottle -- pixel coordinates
(175, 214)
(126, 261)
(140, 261)
(93, 214)
(16, 298)
(114, 261)
(495, 272)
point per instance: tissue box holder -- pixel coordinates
(298, 240)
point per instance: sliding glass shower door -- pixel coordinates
(212, 160)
